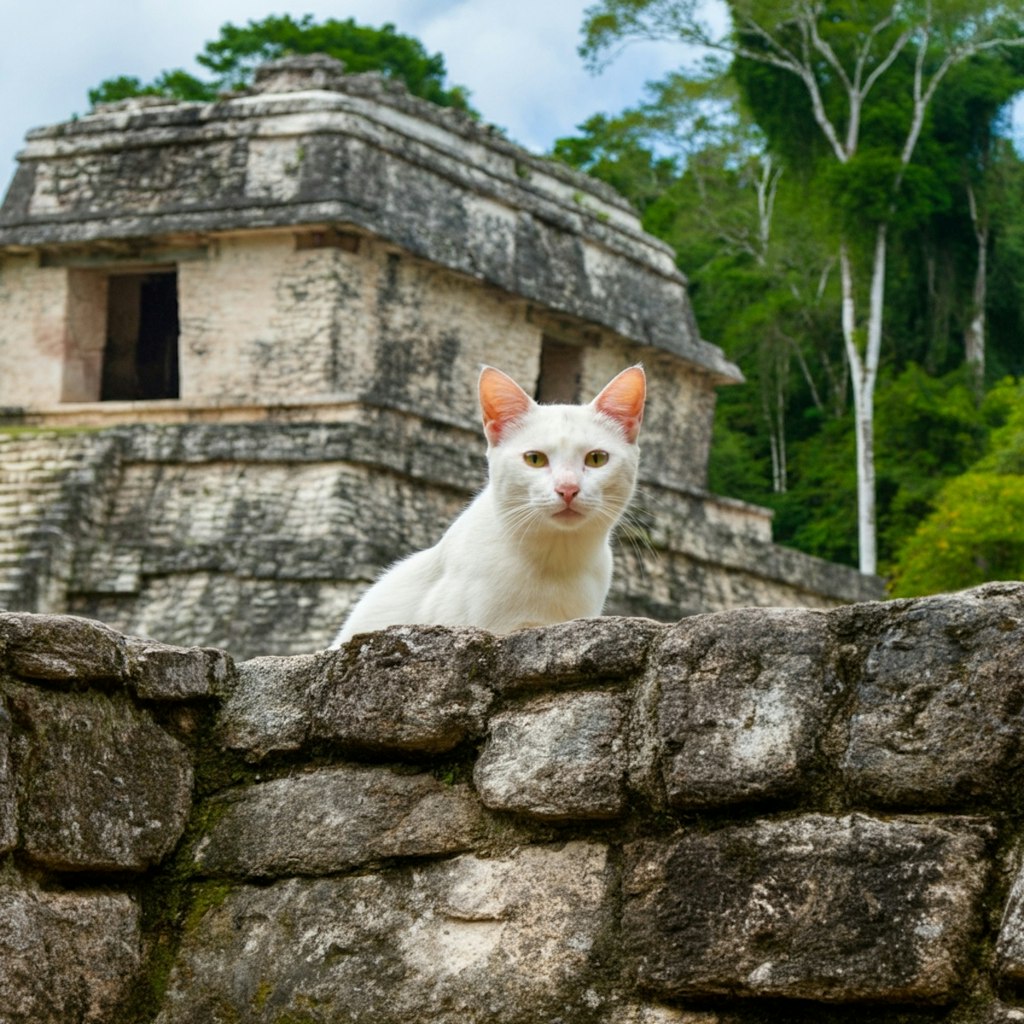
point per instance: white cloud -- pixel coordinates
(524, 70)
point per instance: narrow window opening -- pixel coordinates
(561, 370)
(140, 360)
(327, 238)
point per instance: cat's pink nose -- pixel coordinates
(567, 491)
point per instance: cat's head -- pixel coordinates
(563, 467)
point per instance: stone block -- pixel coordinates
(270, 708)
(938, 719)
(66, 958)
(62, 648)
(167, 673)
(8, 797)
(833, 909)
(406, 689)
(1001, 1013)
(1010, 945)
(652, 1013)
(741, 701)
(560, 757)
(332, 819)
(101, 786)
(581, 651)
(464, 941)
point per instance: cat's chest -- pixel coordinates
(531, 592)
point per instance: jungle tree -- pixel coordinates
(851, 84)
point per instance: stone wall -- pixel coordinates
(257, 537)
(759, 815)
(33, 348)
(264, 322)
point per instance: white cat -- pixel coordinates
(533, 546)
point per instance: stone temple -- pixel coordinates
(239, 343)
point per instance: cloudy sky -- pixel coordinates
(517, 58)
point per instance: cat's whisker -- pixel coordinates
(633, 531)
(518, 520)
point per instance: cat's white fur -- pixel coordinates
(533, 548)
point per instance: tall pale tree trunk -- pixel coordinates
(974, 335)
(773, 404)
(863, 351)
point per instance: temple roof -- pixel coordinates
(309, 144)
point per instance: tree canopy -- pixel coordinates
(846, 244)
(844, 92)
(232, 58)
(975, 531)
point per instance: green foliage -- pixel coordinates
(234, 56)
(739, 457)
(818, 513)
(929, 429)
(1005, 189)
(779, 104)
(976, 531)
(613, 150)
(179, 84)
(976, 534)
(766, 290)
(121, 88)
(862, 192)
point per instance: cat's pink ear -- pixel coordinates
(623, 400)
(502, 402)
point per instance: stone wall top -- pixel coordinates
(751, 816)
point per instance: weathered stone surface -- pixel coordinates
(743, 699)
(651, 1013)
(835, 909)
(1001, 1013)
(168, 673)
(255, 583)
(1010, 945)
(270, 709)
(8, 798)
(741, 923)
(559, 757)
(329, 820)
(423, 689)
(65, 958)
(101, 787)
(940, 705)
(584, 650)
(62, 648)
(468, 941)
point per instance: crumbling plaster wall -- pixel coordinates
(759, 815)
(32, 355)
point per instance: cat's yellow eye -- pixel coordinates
(536, 459)
(595, 459)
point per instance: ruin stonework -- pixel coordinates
(750, 816)
(239, 344)
(256, 538)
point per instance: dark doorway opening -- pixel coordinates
(561, 368)
(140, 359)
